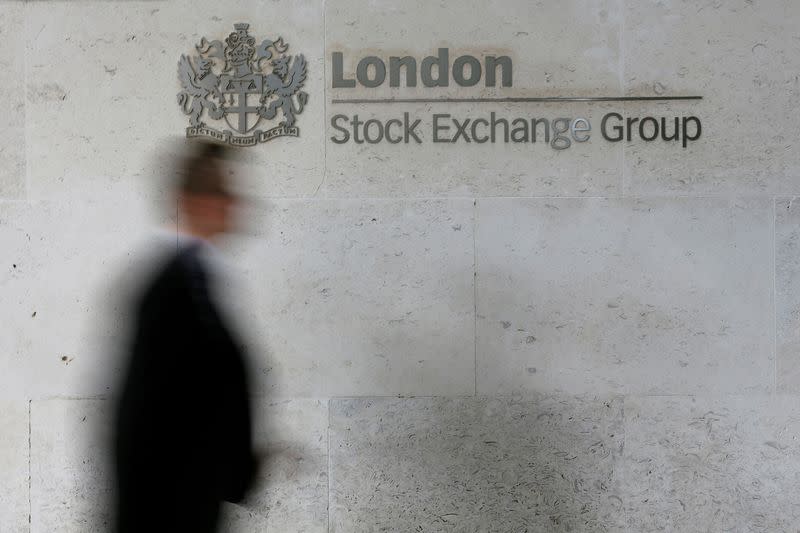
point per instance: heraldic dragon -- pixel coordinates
(226, 94)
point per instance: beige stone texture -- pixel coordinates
(661, 296)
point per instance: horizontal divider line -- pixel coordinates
(512, 99)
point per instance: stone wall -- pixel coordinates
(445, 337)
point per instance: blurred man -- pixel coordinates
(183, 423)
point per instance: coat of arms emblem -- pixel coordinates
(242, 84)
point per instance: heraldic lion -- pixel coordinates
(197, 86)
(285, 83)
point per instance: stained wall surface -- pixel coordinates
(455, 336)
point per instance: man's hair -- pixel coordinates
(201, 171)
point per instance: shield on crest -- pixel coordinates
(243, 93)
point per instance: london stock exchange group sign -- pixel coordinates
(242, 84)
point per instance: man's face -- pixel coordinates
(214, 213)
(210, 214)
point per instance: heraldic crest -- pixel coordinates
(242, 83)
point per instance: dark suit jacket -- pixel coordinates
(183, 425)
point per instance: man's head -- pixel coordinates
(205, 200)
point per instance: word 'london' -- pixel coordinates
(467, 71)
